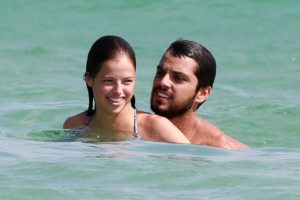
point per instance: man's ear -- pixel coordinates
(88, 79)
(203, 94)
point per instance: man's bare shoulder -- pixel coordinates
(153, 123)
(149, 120)
(209, 128)
(158, 128)
(75, 121)
(210, 135)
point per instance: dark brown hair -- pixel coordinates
(106, 48)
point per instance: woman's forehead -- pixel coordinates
(119, 66)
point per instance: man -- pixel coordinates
(183, 81)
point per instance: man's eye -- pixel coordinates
(180, 78)
(159, 73)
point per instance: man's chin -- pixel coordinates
(159, 110)
(170, 112)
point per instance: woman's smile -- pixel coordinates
(116, 101)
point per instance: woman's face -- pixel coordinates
(113, 86)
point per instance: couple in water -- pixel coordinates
(183, 81)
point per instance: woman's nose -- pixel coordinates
(118, 88)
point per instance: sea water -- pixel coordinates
(255, 99)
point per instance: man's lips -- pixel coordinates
(162, 95)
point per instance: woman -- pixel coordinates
(110, 79)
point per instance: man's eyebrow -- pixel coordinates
(180, 73)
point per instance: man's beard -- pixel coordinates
(172, 112)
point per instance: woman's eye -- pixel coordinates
(127, 82)
(107, 81)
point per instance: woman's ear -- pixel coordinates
(88, 79)
(203, 94)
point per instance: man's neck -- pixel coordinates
(186, 122)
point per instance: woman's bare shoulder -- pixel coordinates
(75, 121)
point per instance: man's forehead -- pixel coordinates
(182, 64)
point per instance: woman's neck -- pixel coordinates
(113, 121)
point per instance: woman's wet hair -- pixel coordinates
(104, 49)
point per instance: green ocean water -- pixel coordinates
(43, 49)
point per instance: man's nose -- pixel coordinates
(165, 81)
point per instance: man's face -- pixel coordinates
(174, 86)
